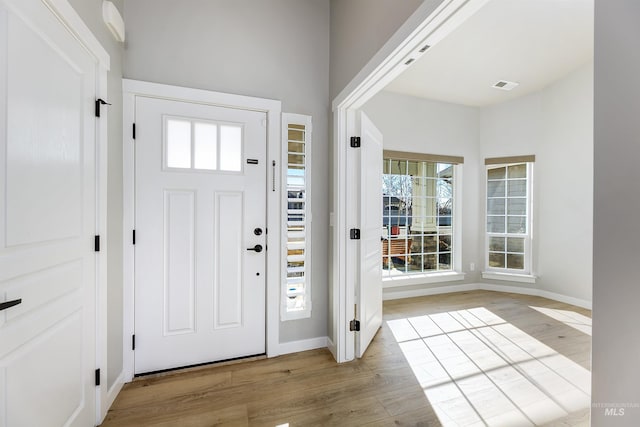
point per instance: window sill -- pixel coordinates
(422, 279)
(295, 314)
(509, 277)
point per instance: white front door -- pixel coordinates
(47, 221)
(200, 233)
(369, 298)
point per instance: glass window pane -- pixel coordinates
(178, 144)
(515, 261)
(518, 188)
(518, 171)
(413, 168)
(495, 224)
(496, 173)
(206, 145)
(295, 134)
(496, 260)
(517, 224)
(386, 167)
(231, 148)
(495, 189)
(295, 147)
(515, 244)
(431, 243)
(445, 243)
(430, 262)
(495, 206)
(295, 159)
(444, 261)
(517, 206)
(496, 244)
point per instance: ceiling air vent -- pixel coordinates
(424, 48)
(505, 85)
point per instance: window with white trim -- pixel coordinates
(418, 206)
(508, 213)
(296, 147)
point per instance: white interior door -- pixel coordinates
(47, 221)
(369, 289)
(200, 208)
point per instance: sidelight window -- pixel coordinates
(296, 295)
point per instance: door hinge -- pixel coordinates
(354, 325)
(100, 102)
(355, 142)
(97, 377)
(133, 342)
(354, 234)
(96, 243)
(134, 131)
(133, 238)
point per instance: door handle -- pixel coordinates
(9, 304)
(257, 248)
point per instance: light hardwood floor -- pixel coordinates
(473, 358)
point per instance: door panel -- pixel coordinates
(47, 220)
(199, 292)
(227, 294)
(179, 252)
(370, 286)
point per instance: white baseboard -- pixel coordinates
(112, 393)
(332, 348)
(536, 293)
(487, 287)
(303, 345)
(427, 291)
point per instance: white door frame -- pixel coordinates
(65, 13)
(429, 24)
(273, 108)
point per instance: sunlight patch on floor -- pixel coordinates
(477, 369)
(570, 318)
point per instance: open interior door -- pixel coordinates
(369, 288)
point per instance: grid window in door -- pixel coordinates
(202, 145)
(296, 131)
(509, 217)
(417, 217)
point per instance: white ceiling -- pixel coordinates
(532, 42)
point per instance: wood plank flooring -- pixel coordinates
(501, 361)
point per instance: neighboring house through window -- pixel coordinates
(419, 214)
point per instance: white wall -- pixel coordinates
(276, 49)
(424, 126)
(616, 289)
(91, 13)
(555, 124)
(359, 28)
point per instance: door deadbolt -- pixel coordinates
(257, 231)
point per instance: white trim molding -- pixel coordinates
(273, 109)
(303, 345)
(509, 277)
(429, 24)
(391, 294)
(397, 293)
(421, 279)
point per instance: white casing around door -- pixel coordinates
(199, 292)
(47, 220)
(369, 287)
